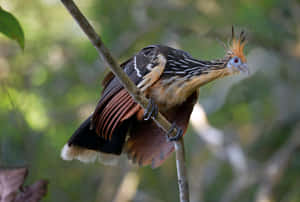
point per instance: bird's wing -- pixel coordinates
(116, 105)
(148, 145)
(155, 71)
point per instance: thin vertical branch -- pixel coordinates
(160, 120)
(181, 172)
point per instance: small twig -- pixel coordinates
(160, 120)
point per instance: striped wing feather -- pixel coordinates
(112, 111)
(116, 105)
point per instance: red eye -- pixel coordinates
(236, 60)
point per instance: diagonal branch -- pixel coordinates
(160, 120)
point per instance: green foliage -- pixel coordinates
(47, 91)
(10, 27)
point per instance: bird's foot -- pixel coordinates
(151, 111)
(179, 133)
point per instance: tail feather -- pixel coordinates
(87, 146)
(147, 145)
(73, 152)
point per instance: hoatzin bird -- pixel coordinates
(170, 78)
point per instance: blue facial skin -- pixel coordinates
(236, 65)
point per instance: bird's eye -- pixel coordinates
(236, 60)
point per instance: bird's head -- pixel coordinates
(236, 60)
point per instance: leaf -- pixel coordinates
(10, 182)
(10, 27)
(12, 189)
(34, 192)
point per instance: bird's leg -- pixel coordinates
(151, 111)
(178, 135)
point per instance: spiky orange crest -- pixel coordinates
(237, 46)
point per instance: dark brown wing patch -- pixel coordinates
(148, 144)
(114, 113)
(114, 102)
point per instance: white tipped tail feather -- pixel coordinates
(72, 152)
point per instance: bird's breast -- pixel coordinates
(172, 91)
(168, 95)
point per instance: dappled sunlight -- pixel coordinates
(4, 69)
(209, 7)
(201, 125)
(56, 58)
(236, 130)
(85, 111)
(30, 105)
(128, 187)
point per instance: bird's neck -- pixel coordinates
(175, 87)
(198, 67)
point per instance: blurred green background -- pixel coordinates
(50, 87)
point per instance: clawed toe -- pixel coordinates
(178, 135)
(151, 111)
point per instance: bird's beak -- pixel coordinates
(238, 68)
(244, 68)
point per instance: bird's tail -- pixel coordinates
(87, 146)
